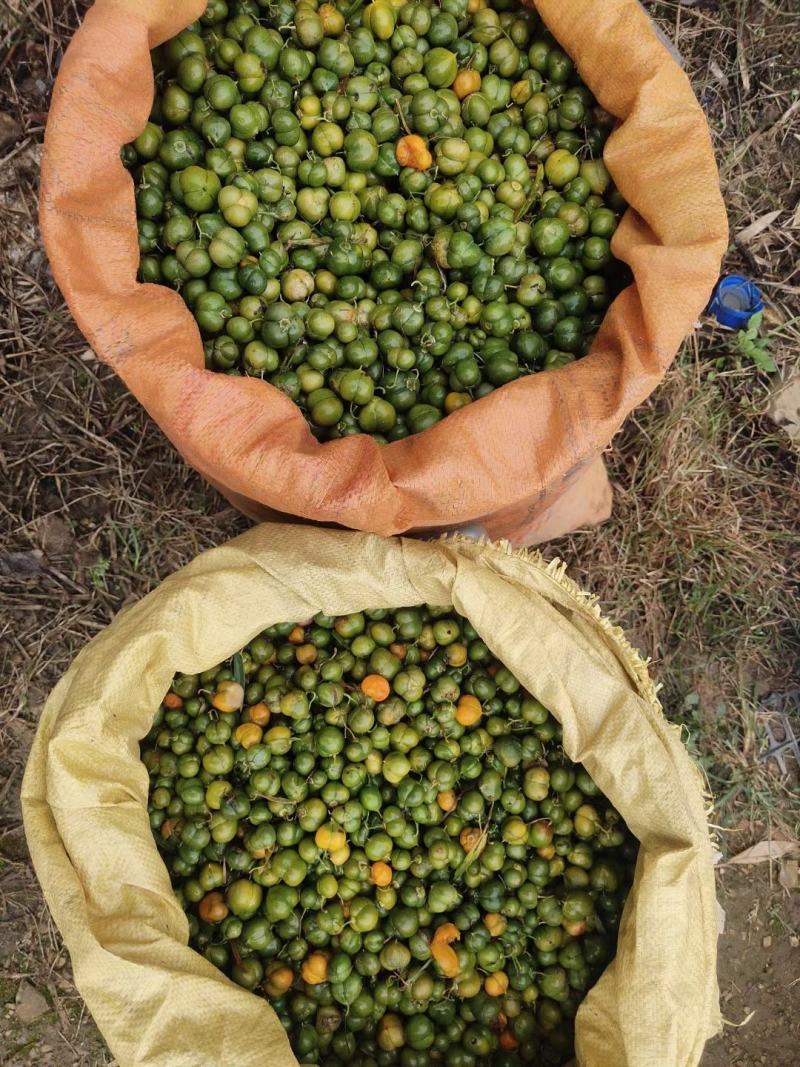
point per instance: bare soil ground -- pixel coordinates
(758, 966)
(699, 562)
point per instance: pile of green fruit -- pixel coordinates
(385, 210)
(371, 823)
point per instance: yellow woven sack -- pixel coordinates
(85, 789)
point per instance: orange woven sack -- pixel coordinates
(524, 462)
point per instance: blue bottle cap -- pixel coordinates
(735, 299)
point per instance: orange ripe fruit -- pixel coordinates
(259, 713)
(507, 1041)
(248, 734)
(212, 908)
(467, 81)
(411, 151)
(496, 984)
(441, 951)
(278, 979)
(340, 856)
(495, 923)
(468, 710)
(376, 687)
(229, 696)
(381, 873)
(330, 838)
(456, 654)
(315, 968)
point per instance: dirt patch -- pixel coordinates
(759, 966)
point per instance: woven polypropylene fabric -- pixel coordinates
(85, 789)
(501, 462)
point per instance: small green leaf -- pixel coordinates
(763, 360)
(237, 667)
(753, 347)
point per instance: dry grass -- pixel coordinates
(698, 562)
(701, 557)
(96, 508)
